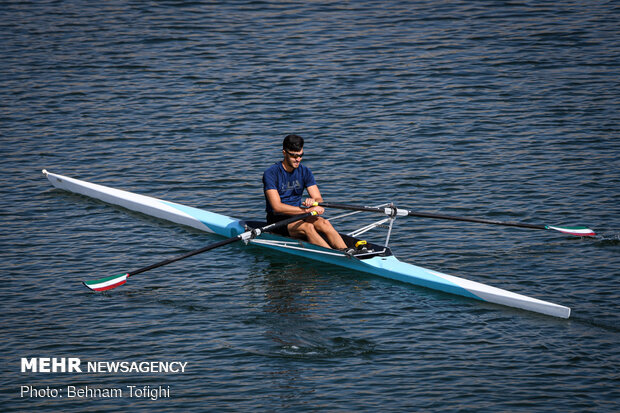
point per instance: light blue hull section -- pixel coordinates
(220, 224)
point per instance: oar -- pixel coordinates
(114, 281)
(392, 211)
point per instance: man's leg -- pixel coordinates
(333, 237)
(306, 229)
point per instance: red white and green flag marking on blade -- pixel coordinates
(393, 211)
(108, 283)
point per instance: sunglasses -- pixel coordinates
(294, 155)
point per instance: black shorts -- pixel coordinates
(271, 218)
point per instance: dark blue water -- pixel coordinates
(501, 110)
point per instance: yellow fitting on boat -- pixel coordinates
(360, 243)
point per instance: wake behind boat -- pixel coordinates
(369, 258)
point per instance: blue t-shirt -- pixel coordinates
(290, 185)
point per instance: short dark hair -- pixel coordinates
(293, 143)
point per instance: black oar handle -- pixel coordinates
(270, 227)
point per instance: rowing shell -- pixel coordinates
(381, 263)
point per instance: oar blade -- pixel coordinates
(576, 231)
(107, 283)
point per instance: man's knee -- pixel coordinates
(323, 225)
(303, 228)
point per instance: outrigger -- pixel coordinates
(369, 258)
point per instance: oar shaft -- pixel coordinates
(477, 220)
(247, 234)
(187, 255)
(404, 212)
(393, 211)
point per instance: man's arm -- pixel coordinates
(281, 208)
(315, 195)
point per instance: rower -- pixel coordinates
(284, 183)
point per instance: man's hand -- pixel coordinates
(308, 202)
(319, 210)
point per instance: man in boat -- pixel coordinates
(284, 183)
